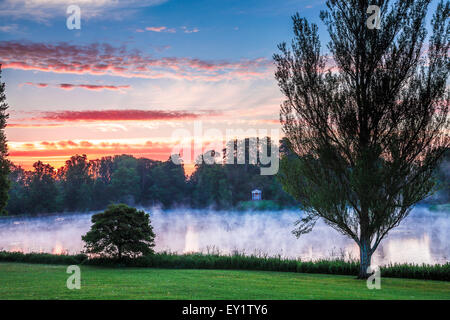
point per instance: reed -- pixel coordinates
(237, 261)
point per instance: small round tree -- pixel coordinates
(120, 231)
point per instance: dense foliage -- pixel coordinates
(120, 231)
(125, 179)
(83, 185)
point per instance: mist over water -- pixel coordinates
(422, 238)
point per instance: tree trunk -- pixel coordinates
(365, 259)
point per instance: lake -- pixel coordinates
(423, 237)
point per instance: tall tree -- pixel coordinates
(77, 183)
(42, 190)
(170, 186)
(18, 193)
(4, 162)
(367, 133)
(125, 180)
(146, 179)
(210, 185)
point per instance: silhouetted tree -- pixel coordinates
(210, 186)
(42, 190)
(77, 183)
(4, 162)
(146, 179)
(124, 179)
(368, 133)
(93, 185)
(18, 192)
(120, 231)
(169, 186)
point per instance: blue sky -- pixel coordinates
(137, 71)
(227, 28)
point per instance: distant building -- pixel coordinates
(256, 195)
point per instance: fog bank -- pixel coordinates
(422, 238)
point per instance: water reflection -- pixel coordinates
(422, 238)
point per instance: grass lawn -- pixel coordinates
(34, 281)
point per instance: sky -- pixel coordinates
(138, 75)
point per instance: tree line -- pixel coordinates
(84, 185)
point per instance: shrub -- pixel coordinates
(42, 258)
(120, 231)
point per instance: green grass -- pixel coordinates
(35, 281)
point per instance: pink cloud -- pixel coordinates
(39, 85)
(32, 125)
(100, 59)
(156, 29)
(92, 86)
(69, 86)
(118, 115)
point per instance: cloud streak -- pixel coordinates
(104, 59)
(54, 151)
(33, 125)
(37, 85)
(193, 30)
(156, 29)
(44, 10)
(169, 30)
(118, 115)
(160, 29)
(70, 86)
(9, 28)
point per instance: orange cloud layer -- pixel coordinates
(56, 153)
(32, 125)
(66, 148)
